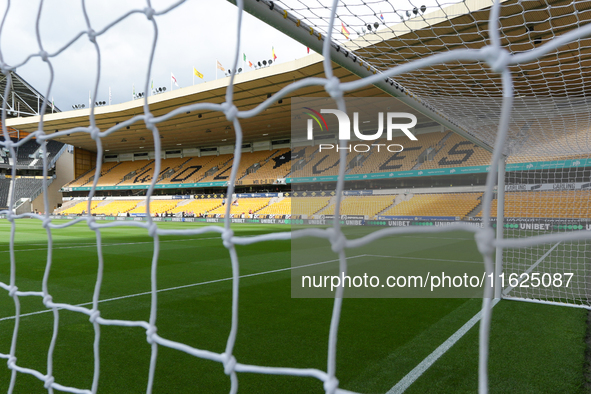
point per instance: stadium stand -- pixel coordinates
(313, 162)
(458, 152)
(282, 207)
(88, 177)
(146, 173)
(79, 208)
(199, 206)
(156, 207)
(357, 205)
(244, 205)
(308, 206)
(190, 171)
(4, 189)
(122, 172)
(566, 204)
(25, 153)
(218, 170)
(442, 205)
(273, 167)
(115, 207)
(399, 161)
(24, 187)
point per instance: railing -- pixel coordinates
(40, 190)
(57, 156)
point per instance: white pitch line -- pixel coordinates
(186, 286)
(424, 365)
(425, 258)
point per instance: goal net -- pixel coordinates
(509, 77)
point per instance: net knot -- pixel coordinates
(150, 332)
(149, 120)
(152, 230)
(8, 144)
(47, 300)
(94, 133)
(337, 241)
(12, 291)
(497, 58)
(331, 385)
(11, 362)
(46, 222)
(229, 363)
(149, 11)
(92, 36)
(333, 87)
(227, 238)
(230, 110)
(43, 55)
(48, 381)
(485, 241)
(95, 314)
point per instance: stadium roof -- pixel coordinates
(203, 128)
(23, 99)
(525, 25)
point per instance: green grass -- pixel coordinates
(534, 348)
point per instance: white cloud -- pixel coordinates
(195, 34)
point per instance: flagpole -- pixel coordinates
(216, 69)
(194, 76)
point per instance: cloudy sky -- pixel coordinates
(196, 34)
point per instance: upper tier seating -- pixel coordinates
(276, 166)
(458, 152)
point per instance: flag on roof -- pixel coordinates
(174, 80)
(344, 31)
(246, 60)
(381, 16)
(273, 50)
(219, 65)
(197, 73)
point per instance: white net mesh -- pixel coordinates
(461, 63)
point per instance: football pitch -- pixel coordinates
(533, 348)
